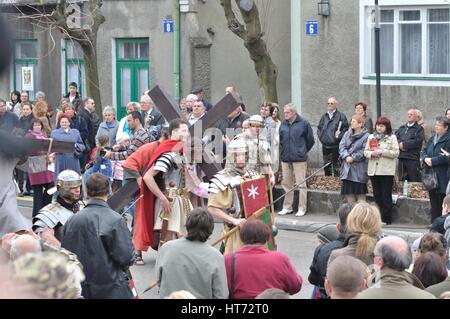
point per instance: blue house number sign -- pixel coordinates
(312, 27)
(168, 26)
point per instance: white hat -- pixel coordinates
(191, 98)
(256, 119)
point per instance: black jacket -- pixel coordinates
(327, 128)
(100, 238)
(412, 139)
(207, 104)
(90, 125)
(77, 101)
(439, 162)
(158, 118)
(8, 121)
(319, 264)
(296, 140)
(24, 124)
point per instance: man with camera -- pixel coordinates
(150, 115)
(140, 137)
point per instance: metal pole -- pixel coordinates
(377, 58)
(296, 59)
(176, 50)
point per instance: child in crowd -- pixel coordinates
(117, 170)
(97, 164)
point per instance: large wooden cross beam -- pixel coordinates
(10, 143)
(167, 106)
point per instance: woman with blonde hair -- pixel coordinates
(40, 110)
(425, 126)
(362, 233)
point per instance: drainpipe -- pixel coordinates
(176, 51)
(296, 61)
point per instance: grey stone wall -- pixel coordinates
(330, 60)
(405, 211)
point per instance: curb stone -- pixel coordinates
(314, 227)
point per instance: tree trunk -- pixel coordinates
(265, 69)
(252, 35)
(92, 79)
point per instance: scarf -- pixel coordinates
(110, 124)
(75, 207)
(378, 136)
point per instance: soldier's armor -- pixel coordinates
(172, 184)
(171, 164)
(52, 216)
(229, 178)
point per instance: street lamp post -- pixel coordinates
(377, 58)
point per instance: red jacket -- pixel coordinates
(257, 269)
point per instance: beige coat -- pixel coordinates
(392, 284)
(386, 164)
(426, 132)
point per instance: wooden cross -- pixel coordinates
(169, 109)
(167, 106)
(31, 146)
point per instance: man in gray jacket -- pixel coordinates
(191, 264)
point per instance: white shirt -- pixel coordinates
(331, 114)
(192, 119)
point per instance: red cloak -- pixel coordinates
(145, 208)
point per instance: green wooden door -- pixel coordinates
(133, 72)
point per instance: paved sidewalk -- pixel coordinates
(311, 223)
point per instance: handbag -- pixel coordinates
(37, 164)
(429, 178)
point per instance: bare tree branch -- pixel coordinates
(233, 23)
(252, 35)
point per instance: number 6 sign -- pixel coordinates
(312, 28)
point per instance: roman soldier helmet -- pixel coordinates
(65, 181)
(256, 120)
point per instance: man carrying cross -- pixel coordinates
(165, 203)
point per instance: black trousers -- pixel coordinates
(40, 196)
(22, 176)
(436, 200)
(331, 155)
(409, 169)
(382, 193)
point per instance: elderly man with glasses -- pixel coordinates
(332, 126)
